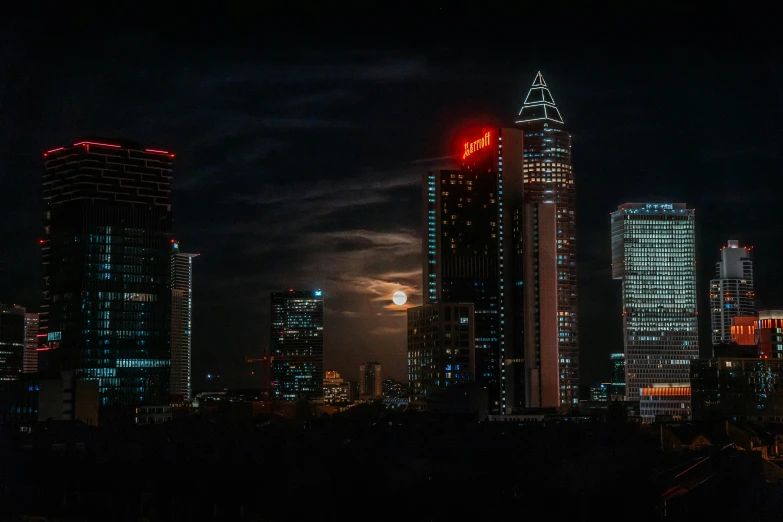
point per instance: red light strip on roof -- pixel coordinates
(54, 150)
(95, 143)
(157, 151)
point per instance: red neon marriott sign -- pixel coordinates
(474, 146)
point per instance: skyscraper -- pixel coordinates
(107, 269)
(297, 345)
(30, 364)
(731, 292)
(653, 254)
(181, 323)
(11, 342)
(549, 178)
(469, 239)
(370, 380)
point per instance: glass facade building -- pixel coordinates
(653, 254)
(297, 345)
(107, 269)
(549, 178)
(731, 292)
(181, 323)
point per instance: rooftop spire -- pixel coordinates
(539, 104)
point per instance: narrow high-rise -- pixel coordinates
(549, 178)
(370, 380)
(106, 314)
(181, 323)
(654, 255)
(731, 292)
(297, 345)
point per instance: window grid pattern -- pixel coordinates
(653, 253)
(549, 178)
(297, 345)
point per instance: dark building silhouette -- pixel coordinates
(297, 345)
(107, 269)
(30, 364)
(370, 380)
(737, 384)
(12, 340)
(549, 178)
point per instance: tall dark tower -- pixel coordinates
(107, 269)
(549, 178)
(469, 239)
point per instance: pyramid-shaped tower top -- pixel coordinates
(539, 104)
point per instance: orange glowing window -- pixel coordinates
(667, 392)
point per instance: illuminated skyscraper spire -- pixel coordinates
(548, 177)
(539, 104)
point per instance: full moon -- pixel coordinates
(399, 298)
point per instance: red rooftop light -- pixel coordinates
(53, 150)
(157, 151)
(96, 143)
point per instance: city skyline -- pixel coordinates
(355, 204)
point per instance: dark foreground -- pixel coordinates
(376, 466)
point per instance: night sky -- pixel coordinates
(300, 146)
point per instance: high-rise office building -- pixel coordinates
(469, 240)
(30, 363)
(370, 380)
(549, 178)
(731, 292)
(441, 349)
(653, 254)
(107, 269)
(11, 342)
(297, 345)
(181, 323)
